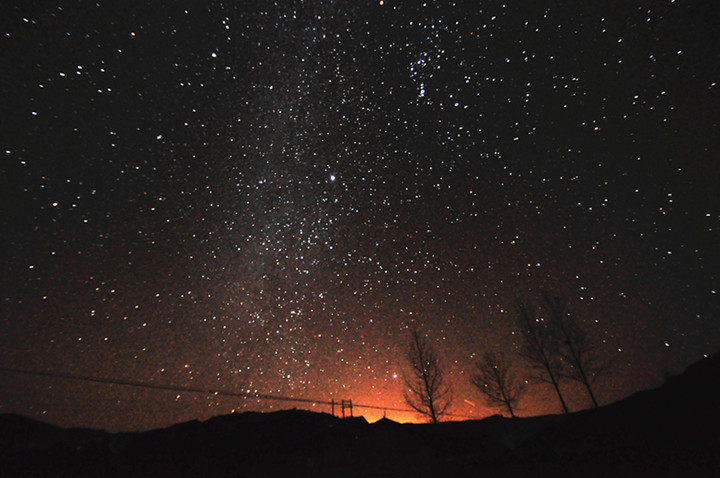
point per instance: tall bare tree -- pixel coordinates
(428, 391)
(540, 349)
(495, 379)
(583, 363)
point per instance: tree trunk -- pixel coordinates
(557, 389)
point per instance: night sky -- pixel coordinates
(262, 197)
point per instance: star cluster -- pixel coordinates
(263, 196)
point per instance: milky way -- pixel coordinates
(262, 198)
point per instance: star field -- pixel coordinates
(264, 197)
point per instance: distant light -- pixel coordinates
(332, 177)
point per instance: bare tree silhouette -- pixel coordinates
(495, 379)
(583, 364)
(428, 392)
(541, 350)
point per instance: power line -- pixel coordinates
(174, 388)
(204, 391)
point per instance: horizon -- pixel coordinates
(340, 409)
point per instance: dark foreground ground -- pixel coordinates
(670, 431)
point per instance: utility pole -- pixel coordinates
(346, 404)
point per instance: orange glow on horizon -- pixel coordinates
(373, 416)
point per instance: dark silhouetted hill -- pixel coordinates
(669, 431)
